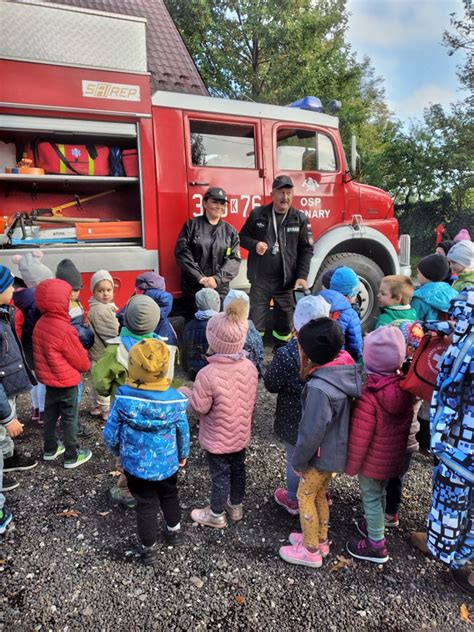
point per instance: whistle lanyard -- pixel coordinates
(276, 247)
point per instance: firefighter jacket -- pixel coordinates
(295, 240)
(204, 249)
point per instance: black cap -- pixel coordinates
(321, 340)
(282, 181)
(434, 267)
(68, 272)
(216, 193)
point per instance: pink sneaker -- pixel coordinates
(96, 411)
(392, 520)
(35, 414)
(297, 554)
(297, 538)
(281, 498)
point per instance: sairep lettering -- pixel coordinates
(107, 90)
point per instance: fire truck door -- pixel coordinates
(310, 158)
(227, 155)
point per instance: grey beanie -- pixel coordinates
(462, 252)
(310, 308)
(142, 314)
(32, 270)
(100, 275)
(208, 299)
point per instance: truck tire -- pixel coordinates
(370, 275)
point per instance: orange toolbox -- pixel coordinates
(110, 231)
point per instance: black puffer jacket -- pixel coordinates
(295, 242)
(203, 249)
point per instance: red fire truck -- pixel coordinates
(59, 97)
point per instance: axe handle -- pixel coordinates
(68, 220)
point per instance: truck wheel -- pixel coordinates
(370, 275)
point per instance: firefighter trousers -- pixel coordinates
(261, 292)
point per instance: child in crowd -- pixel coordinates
(59, 360)
(148, 429)
(394, 300)
(224, 396)
(450, 524)
(15, 378)
(431, 299)
(153, 285)
(443, 247)
(194, 348)
(32, 271)
(344, 287)
(104, 325)
(283, 377)
(111, 371)
(378, 438)
(253, 341)
(461, 261)
(68, 272)
(333, 380)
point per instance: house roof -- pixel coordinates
(169, 62)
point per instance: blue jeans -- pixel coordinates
(292, 481)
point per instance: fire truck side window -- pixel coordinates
(305, 150)
(222, 145)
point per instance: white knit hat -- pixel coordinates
(310, 308)
(100, 275)
(463, 253)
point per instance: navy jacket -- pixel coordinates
(24, 300)
(15, 375)
(282, 377)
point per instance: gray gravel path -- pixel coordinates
(82, 572)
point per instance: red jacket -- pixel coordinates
(59, 356)
(379, 430)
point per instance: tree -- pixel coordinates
(461, 40)
(277, 51)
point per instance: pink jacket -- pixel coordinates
(224, 395)
(379, 429)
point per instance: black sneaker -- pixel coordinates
(17, 463)
(148, 555)
(8, 484)
(364, 550)
(5, 519)
(173, 538)
(85, 431)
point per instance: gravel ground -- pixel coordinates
(82, 571)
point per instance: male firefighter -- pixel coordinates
(279, 240)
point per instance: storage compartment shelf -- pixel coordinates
(69, 179)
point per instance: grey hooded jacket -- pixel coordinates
(324, 427)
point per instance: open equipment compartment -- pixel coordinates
(116, 200)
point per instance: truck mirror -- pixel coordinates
(355, 158)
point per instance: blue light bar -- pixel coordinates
(308, 103)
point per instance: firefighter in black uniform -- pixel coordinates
(207, 250)
(278, 238)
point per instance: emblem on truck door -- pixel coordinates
(310, 184)
(106, 90)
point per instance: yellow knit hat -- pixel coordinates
(148, 362)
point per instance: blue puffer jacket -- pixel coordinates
(24, 300)
(347, 319)
(164, 300)
(282, 377)
(432, 299)
(149, 431)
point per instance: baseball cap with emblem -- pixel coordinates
(216, 193)
(282, 181)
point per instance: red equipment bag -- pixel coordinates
(420, 379)
(80, 160)
(130, 162)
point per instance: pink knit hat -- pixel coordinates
(227, 330)
(384, 350)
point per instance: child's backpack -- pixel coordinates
(420, 379)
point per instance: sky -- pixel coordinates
(403, 39)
